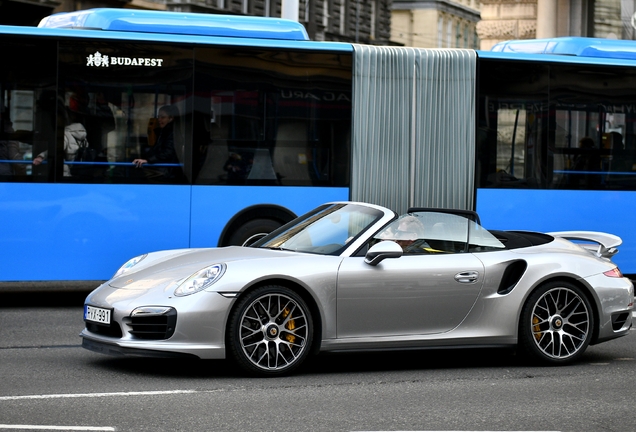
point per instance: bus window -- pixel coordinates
(512, 125)
(271, 118)
(116, 93)
(27, 109)
(556, 126)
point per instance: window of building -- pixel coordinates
(343, 14)
(372, 19)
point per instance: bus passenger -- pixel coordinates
(163, 151)
(9, 148)
(587, 162)
(74, 142)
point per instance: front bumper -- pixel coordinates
(115, 350)
(197, 329)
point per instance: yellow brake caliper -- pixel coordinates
(291, 325)
(536, 328)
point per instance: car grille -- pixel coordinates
(153, 327)
(112, 330)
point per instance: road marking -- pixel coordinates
(63, 428)
(96, 395)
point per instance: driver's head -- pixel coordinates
(409, 228)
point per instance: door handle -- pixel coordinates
(467, 277)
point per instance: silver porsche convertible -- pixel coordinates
(352, 277)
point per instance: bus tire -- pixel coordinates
(253, 227)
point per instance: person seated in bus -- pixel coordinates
(583, 161)
(163, 151)
(9, 148)
(76, 149)
(621, 160)
(588, 162)
(237, 168)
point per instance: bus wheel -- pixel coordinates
(251, 228)
(556, 323)
(270, 331)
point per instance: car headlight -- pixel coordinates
(129, 264)
(200, 280)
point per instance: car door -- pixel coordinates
(410, 295)
(429, 289)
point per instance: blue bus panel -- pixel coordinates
(564, 210)
(85, 232)
(58, 232)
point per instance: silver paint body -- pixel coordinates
(415, 301)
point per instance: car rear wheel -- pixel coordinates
(556, 323)
(270, 331)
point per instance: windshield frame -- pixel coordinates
(354, 224)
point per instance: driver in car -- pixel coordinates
(408, 232)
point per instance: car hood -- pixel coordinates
(165, 267)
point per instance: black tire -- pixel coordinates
(270, 331)
(556, 323)
(253, 227)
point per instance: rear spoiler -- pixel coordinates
(604, 245)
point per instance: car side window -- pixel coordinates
(428, 233)
(482, 240)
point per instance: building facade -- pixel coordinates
(482, 24)
(528, 19)
(362, 21)
(435, 23)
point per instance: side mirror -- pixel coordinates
(381, 251)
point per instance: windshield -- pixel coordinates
(326, 230)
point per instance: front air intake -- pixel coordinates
(153, 327)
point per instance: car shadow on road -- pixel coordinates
(339, 363)
(412, 360)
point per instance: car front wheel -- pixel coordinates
(270, 331)
(556, 323)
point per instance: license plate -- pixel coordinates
(95, 314)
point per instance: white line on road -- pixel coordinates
(95, 395)
(63, 428)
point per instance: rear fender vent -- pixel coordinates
(511, 276)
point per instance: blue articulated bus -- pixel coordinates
(263, 128)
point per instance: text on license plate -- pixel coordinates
(95, 314)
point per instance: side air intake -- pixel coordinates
(511, 276)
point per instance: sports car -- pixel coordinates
(353, 277)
